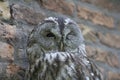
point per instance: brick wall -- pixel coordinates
(98, 20)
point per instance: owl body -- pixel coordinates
(56, 52)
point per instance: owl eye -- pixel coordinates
(50, 35)
(71, 35)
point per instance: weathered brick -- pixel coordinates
(12, 69)
(59, 6)
(91, 51)
(88, 33)
(107, 57)
(6, 51)
(111, 40)
(95, 17)
(7, 31)
(14, 72)
(4, 10)
(113, 75)
(22, 12)
(108, 4)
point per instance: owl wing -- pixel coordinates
(94, 72)
(87, 69)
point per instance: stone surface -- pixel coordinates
(113, 76)
(7, 31)
(4, 10)
(22, 12)
(3, 67)
(12, 69)
(88, 33)
(14, 72)
(60, 6)
(108, 4)
(95, 17)
(103, 56)
(6, 51)
(91, 51)
(110, 40)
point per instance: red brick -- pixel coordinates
(21, 12)
(113, 76)
(6, 51)
(100, 55)
(95, 17)
(110, 40)
(60, 6)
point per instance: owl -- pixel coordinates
(56, 51)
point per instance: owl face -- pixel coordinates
(54, 49)
(58, 34)
(56, 52)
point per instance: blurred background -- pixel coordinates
(99, 21)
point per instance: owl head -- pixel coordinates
(57, 34)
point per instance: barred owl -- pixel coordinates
(56, 51)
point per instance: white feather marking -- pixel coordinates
(87, 78)
(67, 21)
(82, 49)
(92, 74)
(50, 57)
(83, 52)
(86, 62)
(71, 69)
(54, 19)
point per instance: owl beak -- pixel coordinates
(61, 46)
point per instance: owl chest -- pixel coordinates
(58, 71)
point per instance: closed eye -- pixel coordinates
(71, 35)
